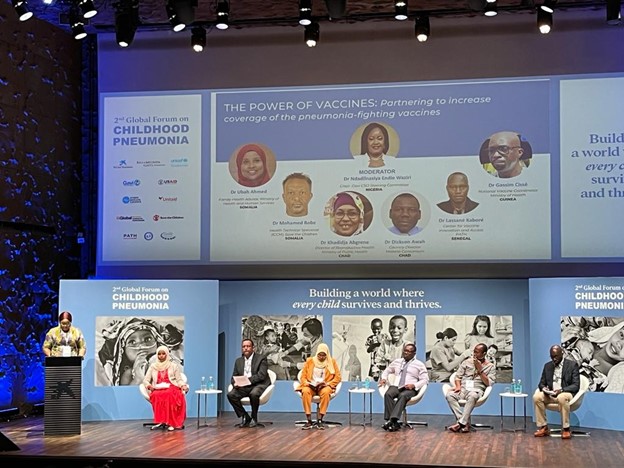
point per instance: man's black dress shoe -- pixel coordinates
(387, 426)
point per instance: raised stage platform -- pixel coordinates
(117, 444)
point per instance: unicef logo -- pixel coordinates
(148, 236)
(126, 200)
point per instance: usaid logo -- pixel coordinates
(167, 181)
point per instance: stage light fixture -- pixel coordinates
(614, 13)
(126, 21)
(21, 8)
(49, 2)
(544, 21)
(305, 12)
(548, 6)
(312, 34)
(223, 14)
(88, 8)
(400, 10)
(198, 38)
(176, 23)
(491, 9)
(336, 8)
(76, 24)
(422, 28)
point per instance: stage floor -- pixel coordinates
(284, 443)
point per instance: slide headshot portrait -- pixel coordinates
(252, 165)
(350, 213)
(374, 144)
(505, 154)
(405, 214)
(297, 193)
(457, 188)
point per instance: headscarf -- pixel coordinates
(602, 335)
(328, 363)
(351, 199)
(239, 161)
(162, 365)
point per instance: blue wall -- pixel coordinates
(195, 300)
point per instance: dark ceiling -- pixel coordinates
(251, 13)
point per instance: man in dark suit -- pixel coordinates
(255, 368)
(559, 382)
(457, 189)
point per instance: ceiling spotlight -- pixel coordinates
(126, 21)
(176, 23)
(548, 6)
(76, 24)
(614, 14)
(223, 14)
(21, 8)
(312, 34)
(88, 8)
(400, 10)
(198, 38)
(490, 9)
(544, 21)
(305, 12)
(422, 28)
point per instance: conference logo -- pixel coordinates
(122, 164)
(131, 183)
(148, 236)
(158, 217)
(124, 218)
(179, 162)
(167, 235)
(130, 236)
(128, 200)
(167, 181)
(168, 199)
(152, 163)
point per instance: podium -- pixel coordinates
(63, 396)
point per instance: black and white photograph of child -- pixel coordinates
(363, 345)
(597, 346)
(126, 346)
(286, 340)
(449, 339)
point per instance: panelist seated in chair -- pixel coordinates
(558, 384)
(255, 367)
(410, 376)
(320, 376)
(166, 389)
(473, 376)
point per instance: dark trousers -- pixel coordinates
(253, 392)
(395, 402)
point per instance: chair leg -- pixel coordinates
(409, 424)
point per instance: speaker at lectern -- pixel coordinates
(63, 396)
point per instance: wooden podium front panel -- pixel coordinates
(63, 396)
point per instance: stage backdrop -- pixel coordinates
(566, 310)
(336, 301)
(125, 320)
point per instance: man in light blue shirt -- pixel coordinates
(405, 214)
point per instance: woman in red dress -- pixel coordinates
(163, 381)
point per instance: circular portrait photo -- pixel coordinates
(505, 154)
(252, 165)
(407, 213)
(349, 213)
(374, 144)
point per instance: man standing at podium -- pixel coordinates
(64, 340)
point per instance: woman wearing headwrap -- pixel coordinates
(347, 217)
(130, 344)
(251, 166)
(64, 339)
(166, 389)
(320, 376)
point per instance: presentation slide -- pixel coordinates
(521, 170)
